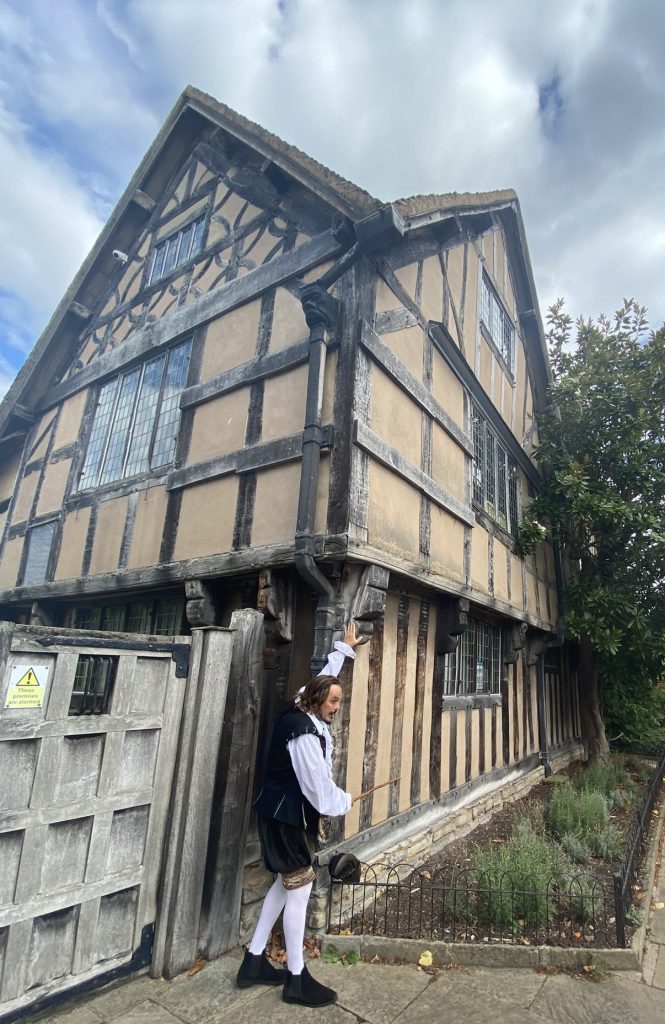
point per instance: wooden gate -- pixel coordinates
(89, 726)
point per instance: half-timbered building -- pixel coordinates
(267, 389)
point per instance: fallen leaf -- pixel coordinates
(589, 968)
(197, 966)
(659, 905)
(314, 954)
(426, 959)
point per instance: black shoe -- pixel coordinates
(306, 990)
(256, 969)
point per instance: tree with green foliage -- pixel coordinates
(602, 451)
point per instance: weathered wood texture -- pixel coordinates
(82, 826)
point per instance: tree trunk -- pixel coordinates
(593, 727)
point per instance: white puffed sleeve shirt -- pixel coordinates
(313, 770)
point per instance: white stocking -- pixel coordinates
(294, 916)
(272, 907)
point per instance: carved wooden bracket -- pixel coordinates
(536, 646)
(275, 601)
(319, 307)
(201, 608)
(514, 641)
(452, 620)
(369, 602)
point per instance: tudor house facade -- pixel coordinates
(265, 388)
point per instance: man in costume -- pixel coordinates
(297, 788)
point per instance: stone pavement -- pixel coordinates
(382, 993)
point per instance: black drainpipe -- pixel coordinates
(321, 313)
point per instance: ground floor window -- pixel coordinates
(475, 667)
(161, 616)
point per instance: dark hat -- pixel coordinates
(344, 867)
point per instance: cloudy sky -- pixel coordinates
(563, 100)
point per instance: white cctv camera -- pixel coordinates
(121, 257)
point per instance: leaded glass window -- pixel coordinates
(136, 422)
(39, 543)
(497, 323)
(494, 476)
(177, 249)
(475, 666)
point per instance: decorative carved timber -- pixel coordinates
(369, 603)
(319, 307)
(514, 641)
(255, 187)
(536, 645)
(452, 620)
(275, 600)
(81, 311)
(143, 200)
(201, 608)
(343, 230)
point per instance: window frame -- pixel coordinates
(116, 616)
(498, 324)
(164, 246)
(32, 534)
(495, 490)
(458, 685)
(121, 440)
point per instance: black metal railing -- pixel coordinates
(467, 905)
(626, 882)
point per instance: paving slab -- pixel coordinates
(268, 1008)
(375, 992)
(78, 1015)
(658, 979)
(519, 986)
(657, 926)
(570, 999)
(121, 997)
(442, 1002)
(196, 998)
(147, 1012)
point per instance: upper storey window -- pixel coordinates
(498, 324)
(136, 422)
(175, 250)
(494, 476)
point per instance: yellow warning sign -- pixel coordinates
(27, 686)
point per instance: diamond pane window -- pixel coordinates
(39, 549)
(137, 418)
(498, 323)
(177, 249)
(494, 476)
(475, 667)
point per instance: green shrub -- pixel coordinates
(576, 847)
(601, 777)
(606, 843)
(580, 811)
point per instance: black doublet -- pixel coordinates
(281, 798)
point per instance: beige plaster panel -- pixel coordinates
(521, 741)
(288, 322)
(385, 297)
(499, 265)
(74, 533)
(488, 738)
(395, 417)
(427, 706)
(446, 544)
(517, 598)
(236, 210)
(448, 462)
(8, 470)
(520, 389)
(530, 593)
(409, 707)
(455, 273)
(386, 709)
(41, 443)
(554, 606)
(207, 276)
(408, 347)
(52, 490)
(393, 520)
(219, 426)
(431, 302)
(259, 244)
(471, 298)
(501, 570)
(479, 559)
(131, 283)
(408, 277)
(201, 176)
(148, 527)
(356, 739)
(447, 389)
(314, 273)
(445, 748)
(69, 422)
(475, 742)
(231, 339)
(461, 747)
(111, 518)
(506, 406)
(10, 562)
(486, 360)
(174, 223)
(207, 514)
(276, 504)
(206, 520)
(329, 381)
(322, 493)
(487, 244)
(26, 494)
(284, 398)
